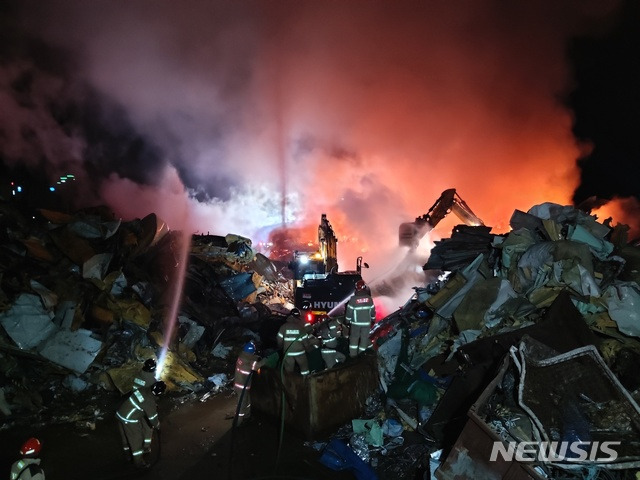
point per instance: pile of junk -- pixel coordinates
(518, 362)
(86, 298)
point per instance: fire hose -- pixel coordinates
(235, 421)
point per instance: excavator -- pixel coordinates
(410, 233)
(317, 281)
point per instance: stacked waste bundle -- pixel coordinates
(86, 298)
(528, 336)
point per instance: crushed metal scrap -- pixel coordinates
(85, 297)
(559, 278)
(528, 336)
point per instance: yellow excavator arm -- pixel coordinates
(410, 233)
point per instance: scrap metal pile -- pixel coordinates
(86, 298)
(529, 336)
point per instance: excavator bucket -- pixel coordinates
(410, 233)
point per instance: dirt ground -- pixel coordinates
(196, 439)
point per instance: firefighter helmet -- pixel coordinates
(360, 285)
(295, 312)
(249, 347)
(158, 388)
(306, 305)
(31, 447)
(149, 365)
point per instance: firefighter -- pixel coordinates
(147, 376)
(329, 333)
(293, 339)
(247, 361)
(137, 416)
(28, 467)
(360, 314)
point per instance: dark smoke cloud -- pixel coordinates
(248, 114)
(606, 102)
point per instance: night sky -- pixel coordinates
(238, 116)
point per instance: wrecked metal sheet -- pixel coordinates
(623, 304)
(571, 215)
(74, 350)
(27, 322)
(473, 307)
(96, 267)
(472, 275)
(239, 286)
(194, 331)
(574, 396)
(49, 298)
(600, 248)
(93, 227)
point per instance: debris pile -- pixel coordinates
(529, 336)
(85, 298)
(526, 338)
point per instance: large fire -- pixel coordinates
(266, 116)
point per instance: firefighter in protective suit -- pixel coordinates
(248, 361)
(293, 339)
(28, 467)
(360, 313)
(331, 330)
(147, 376)
(137, 416)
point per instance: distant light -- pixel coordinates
(304, 259)
(58, 183)
(69, 175)
(52, 189)
(13, 191)
(63, 180)
(19, 189)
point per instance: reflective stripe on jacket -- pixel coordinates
(245, 363)
(20, 470)
(140, 404)
(292, 337)
(144, 379)
(360, 310)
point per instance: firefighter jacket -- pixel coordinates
(140, 404)
(144, 379)
(330, 332)
(293, 337)
(245, 363)
(26, 469)
(360, 310)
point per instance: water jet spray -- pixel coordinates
(171, 319)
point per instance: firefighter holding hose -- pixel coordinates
(248, 362)
(138, 416)
(360, 313)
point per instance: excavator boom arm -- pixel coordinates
(410, 233)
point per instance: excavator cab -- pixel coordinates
(410, 233)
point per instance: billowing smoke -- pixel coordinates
(250, 115)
